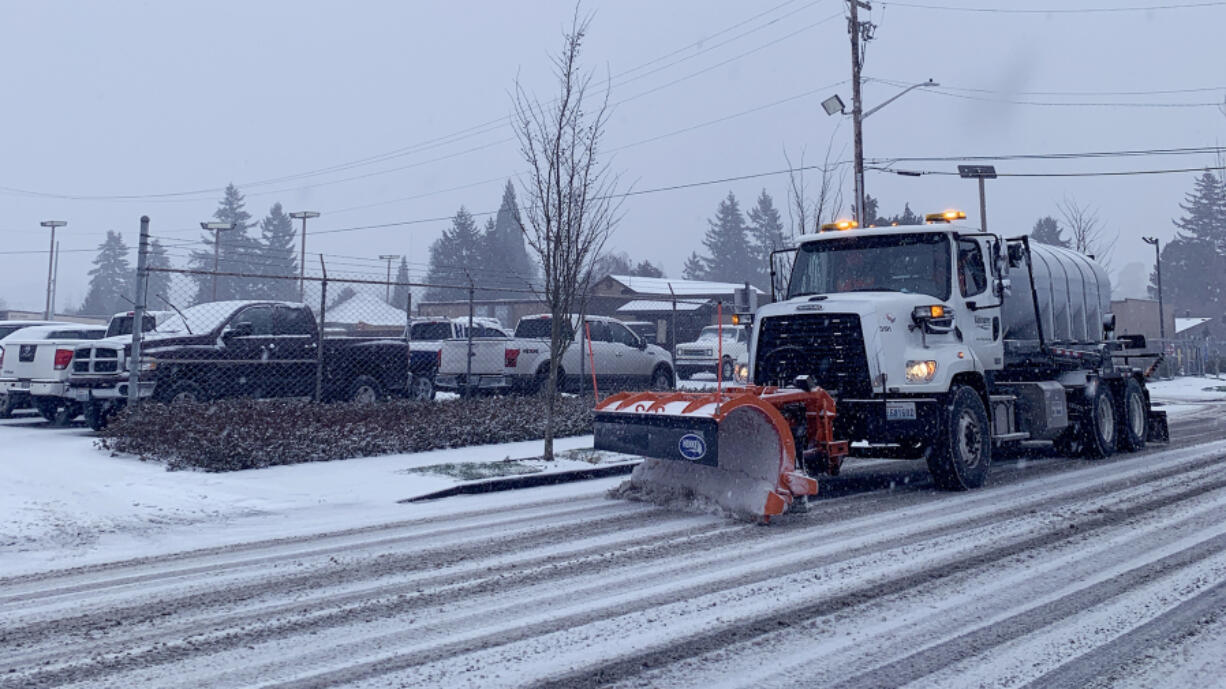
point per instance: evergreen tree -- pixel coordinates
(766, 235)
(1194, 263)
(908, 217)
(400, 292)
(1047, 231)
(278, 255)
(870, 217)
(728, 244)
(110, 280)
(158, 283)
(455, 258)
(647, 269)
(239, 252)
(695, 268)
(506, 263)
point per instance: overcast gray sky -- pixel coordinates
(167, 102)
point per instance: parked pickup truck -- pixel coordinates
(703, 354)
(521, 363)
(238, 349)
(426, 340)
(34, 369)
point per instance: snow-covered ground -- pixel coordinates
(67, 503)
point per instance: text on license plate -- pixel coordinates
(900, 411)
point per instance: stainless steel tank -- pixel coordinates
(1073, 291)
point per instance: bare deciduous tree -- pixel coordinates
(571, 206)
(1087, 234)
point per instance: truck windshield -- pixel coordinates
(908, 263)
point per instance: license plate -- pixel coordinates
(23, 385)
(900, 411)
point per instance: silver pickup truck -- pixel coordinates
(521, 363)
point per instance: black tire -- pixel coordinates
(542, 378)
(728, 369)
(662, 378)
(65, 412)
(1099, 425)
(96, 415)
(422, 388)
(47, 408)
(7, 406)
(962, 454)
(364, 390)
(180, 391)
(1133, 415)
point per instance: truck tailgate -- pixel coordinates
(35, 360)
(488, 357)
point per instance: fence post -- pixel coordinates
(468, 364)
(323, 318)
(672, 346)
(138, 312)
(587, 328)
(408, 341)
(719, 352)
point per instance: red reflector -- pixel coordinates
(63, 357)
(511, 357)
(438, 358)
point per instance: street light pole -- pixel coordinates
(217, 228)
(302, 215)
(389, 258)
(1153, 241)
(51, 263)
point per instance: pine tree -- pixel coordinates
(647, 269)
(1194, 263)
(239, 252)
(766, 236)
(1047, 231)
(909, 217)
(455, 258)
(400, 292)
(695, 268)
(110, 280)
(507, 267)
(728, 244)
(278, 256)
(158, 282)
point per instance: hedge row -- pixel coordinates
(229, 435)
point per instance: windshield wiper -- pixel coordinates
(872, 289)
(181, 316)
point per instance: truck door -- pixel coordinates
(295, 352)
(982, 329)
(247, 356)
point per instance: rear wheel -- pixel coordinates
(364, 390)
(7, 405)
(962, 453)
(423, 388)
(1134, 418)
(1098, 427)
(47, 408)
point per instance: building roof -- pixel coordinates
(1182, 324)
(368, 309)
(652, 306)
(659, 286)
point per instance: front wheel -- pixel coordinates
(179, 392)
(1134, 418)
(727, 369)
(662, 379)
(363, 390)
(962, 454)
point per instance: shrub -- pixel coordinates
(228, 435)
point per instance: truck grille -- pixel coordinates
(827, 346)
(95, 360)
(693, 352)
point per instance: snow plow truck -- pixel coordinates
(935, 342)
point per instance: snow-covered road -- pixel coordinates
(1061, 573)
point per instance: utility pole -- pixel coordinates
(1153, 241)
(389, 258)
(302, 215)
(858, 32)
(51, 264)
(979, 172)
(217, 228)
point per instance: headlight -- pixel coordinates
(921, 371)
(149, 365)
(742, 373)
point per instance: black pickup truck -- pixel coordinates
(239, 349)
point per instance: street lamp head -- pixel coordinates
(1152, 241)
(217, 226)
(388, 257)
(303, 215)
(833, 105)
(53, 223)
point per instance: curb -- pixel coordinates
(529, 481)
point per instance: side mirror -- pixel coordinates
(1017, 254)
(640, 343)
(1109, 323)
(1004, 288)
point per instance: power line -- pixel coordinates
(1156, 92)
(1101, 173)
(1193, 150)
(1057, 10)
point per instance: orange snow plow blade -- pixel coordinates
(739, 447)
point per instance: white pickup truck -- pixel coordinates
(34, 369)
(521, 363)
(704, 354)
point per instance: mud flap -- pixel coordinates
(1159, 430)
